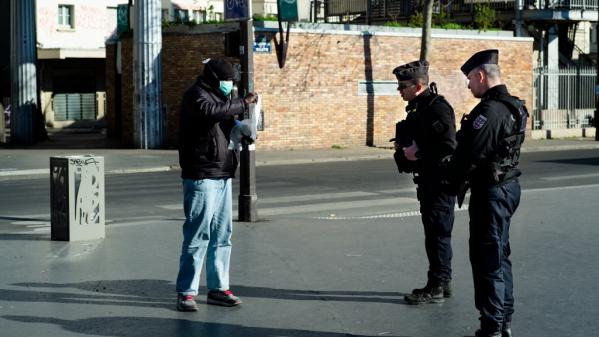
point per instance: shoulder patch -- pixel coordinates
(479, 122)
(438, 127)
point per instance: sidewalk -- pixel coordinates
(34, 160)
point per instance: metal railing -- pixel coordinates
(566, 4)
(394, 9)
(564, 98)
(345, 7)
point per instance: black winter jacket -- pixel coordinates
(206, 120)
(480, 135)
(433, 123)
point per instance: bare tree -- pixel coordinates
(426, 29)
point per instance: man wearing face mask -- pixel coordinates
(207, 117)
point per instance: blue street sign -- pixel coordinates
(262, 47)
(236, 10)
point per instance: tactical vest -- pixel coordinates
(507, 155)
(404, 133)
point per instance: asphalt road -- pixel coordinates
(340, 245)
(324, 188)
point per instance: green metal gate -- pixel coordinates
(75, 107)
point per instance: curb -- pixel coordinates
(266, 162)
(320, 160)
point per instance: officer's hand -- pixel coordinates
(410, 151)
(397, 146)
(251, 98)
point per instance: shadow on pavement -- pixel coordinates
(318, 295)
(14, 218)
(25, 237)
(161, 293)
(143, 327)
(137, 300)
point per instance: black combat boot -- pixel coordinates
(506, 330)
(428, 294)
(481, 333)
(447, 291)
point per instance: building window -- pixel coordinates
(218, 17)
(199, 16)
(165, 16)
(65, 16)
(181, 15)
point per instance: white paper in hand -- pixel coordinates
(255, 117)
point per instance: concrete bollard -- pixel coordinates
(77, 198)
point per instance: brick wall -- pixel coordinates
(182, 57)
(313, 101)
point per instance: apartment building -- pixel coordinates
(71, 38)
(200, 11)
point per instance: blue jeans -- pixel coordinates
(207, 229)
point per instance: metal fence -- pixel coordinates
(567, 4)
(564, 98)
(395, 9)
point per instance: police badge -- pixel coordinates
(479, 122)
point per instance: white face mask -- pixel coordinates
(226, 87)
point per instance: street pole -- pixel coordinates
(247, 211)
(596, 117)
(369, 12)
(518, 21)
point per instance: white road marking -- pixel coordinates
(576, 176)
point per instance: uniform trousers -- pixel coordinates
(491, 209)
(437, 212)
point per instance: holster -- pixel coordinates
(461, 190)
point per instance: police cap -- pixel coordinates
(411, 71)
(489, 56)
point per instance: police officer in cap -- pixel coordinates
(486, 159)
(426, 140)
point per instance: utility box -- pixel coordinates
(77, 198)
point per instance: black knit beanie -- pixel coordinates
(219, 69)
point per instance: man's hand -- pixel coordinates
(410, 151)
(251, 98)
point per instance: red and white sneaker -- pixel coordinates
(223, 298)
